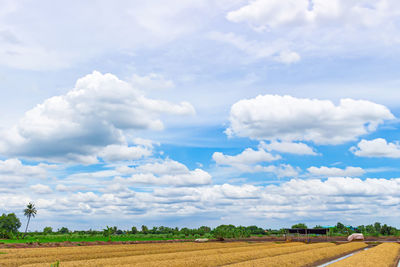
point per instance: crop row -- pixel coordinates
(303, 258)
(38, 252)
(381, 255)
(196, 258)
(98, 252)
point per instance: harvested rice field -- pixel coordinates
(181, 254)
(380, 256)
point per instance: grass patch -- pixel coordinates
(92, 238)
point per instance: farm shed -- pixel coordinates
(304, 233)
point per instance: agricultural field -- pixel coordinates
(180, 254)
(382, 255)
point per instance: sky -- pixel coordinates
(200, 112)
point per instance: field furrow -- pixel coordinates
(383, 255)
(196, 258)
(303, 258)
(31, 252)
(99, 252)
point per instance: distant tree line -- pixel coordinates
(376, 229)
(9, 225)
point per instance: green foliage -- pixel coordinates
(299, 225)
(341, 229)
(134, 230)
(29, 212)
(109, 231)
(378, 229)
(9, 225)
(56, 264)
(47, 230)
(230, 231)
(63, 230)
(254, 230)
(145, 230)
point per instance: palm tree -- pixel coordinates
(29, 212)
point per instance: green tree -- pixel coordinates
(29, 212)
(299, 225)
(254, 230)
(370, 229)
(145, 230)
(9, 224)
(377, 227)
(230, 231)
(134, 230)
(361, 229)
(47, 230)
(63, 230)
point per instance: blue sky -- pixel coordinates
(200, 112)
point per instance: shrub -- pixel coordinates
(63, 230)
(47, 230)
(9, 224)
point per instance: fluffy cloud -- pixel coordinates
(78, 125)
(343, 187)
(248, 162)
(240, 192)
(288, 147)
(166, 172)
(248, 156)
(273, 117)
(267, 14)
(376, 148)
(156, 173)
(14, 171)
(320, 27)
(41, 189)
(336, 172)
(353, 199)
(123, 152)
(191, 178)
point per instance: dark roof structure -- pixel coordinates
(304, 231)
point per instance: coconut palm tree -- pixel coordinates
(29, 212)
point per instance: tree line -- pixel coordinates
(376, 229)
(10, 224)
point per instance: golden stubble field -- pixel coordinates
(194, 254)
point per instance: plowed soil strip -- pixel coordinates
(382, 255)
(66, 254)
(194, 258)
(304, 258)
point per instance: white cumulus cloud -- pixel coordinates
(123, 152)
(250, 161)
(14, 171)
(247, 156)
(162, 172)
(275, 117)
(41, 189)
(93, 115)
(378, 147)
(288, 147)
(336, 172)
